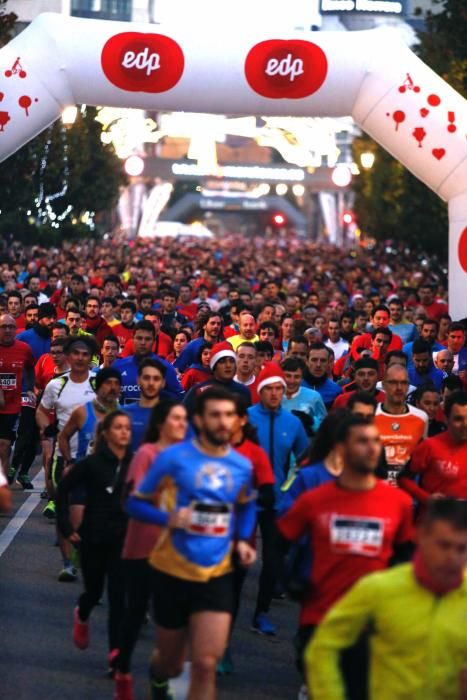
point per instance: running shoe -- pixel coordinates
(112, 659)
(225, 666)
(123, 687)
(161, 690)
(262, 625)
(25, 482)
(68, 574)
(80, 631)
(303, 693)
(44, 495)
(49, 510)
(11, 475)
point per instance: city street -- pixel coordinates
(38, 659)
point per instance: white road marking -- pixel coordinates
(23, 513)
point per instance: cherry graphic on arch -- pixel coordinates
(1, 96)
(25, 102)
(408, 84)
(433, 100)
(452, 128)
(16, 69)
(419, 134)
(4, 119)
(398, 116)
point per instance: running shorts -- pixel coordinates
(176, 599)
(8, 426)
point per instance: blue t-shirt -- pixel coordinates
(128, 368)
(219, 491)
(139, 422)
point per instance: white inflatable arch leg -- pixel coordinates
(372, 75)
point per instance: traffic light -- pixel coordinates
(348, 217)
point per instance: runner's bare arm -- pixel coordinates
(74, 423)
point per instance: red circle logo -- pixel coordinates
(142, 62)
(282, 69)
(462, 249)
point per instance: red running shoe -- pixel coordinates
(123, 687)
(112, 659)
(80, 631)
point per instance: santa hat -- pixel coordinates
(219, 351)
(270, 374)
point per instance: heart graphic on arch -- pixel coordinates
(439, 153)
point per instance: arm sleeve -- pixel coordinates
(417, 465)
(138, 467)
(339, 630)
(320, 413)
(295, 522)
(185, 360)
(48, 397)
(75, 476)
(172, 383)
(245, 519)
(289, 497)
(262, 467)
(146, 512)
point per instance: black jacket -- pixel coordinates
(103, 477)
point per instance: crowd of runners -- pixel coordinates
(193, 403)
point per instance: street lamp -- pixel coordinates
(367, 160)
(69, 115)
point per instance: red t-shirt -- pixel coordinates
(435, 310)
(342, 400)
(442, 465)
(44, 371)
(162, 346)
(122, 334)
(188, 310)
(13, 359)
(262, 470)
(352, 534)
(365, 340)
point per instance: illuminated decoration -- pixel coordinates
(134, 166)
(381, 6)
(69, 115)
(342, 175)
(347, 217)
(298, 190)
(281, 189)
(279, 219)
(367, 160)
(243, 172)
(372, 76)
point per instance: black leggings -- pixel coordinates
(271, 552)
(138, 579)
(98, 562)
(26, 442)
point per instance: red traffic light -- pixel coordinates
(348, 217)
(279, 219)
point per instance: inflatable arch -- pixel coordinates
(371, 75)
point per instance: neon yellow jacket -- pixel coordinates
(418, 640)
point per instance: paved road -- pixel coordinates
(39, 662)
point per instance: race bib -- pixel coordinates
(357, 535)
(7, 381)
(28, 401)
(210, 519)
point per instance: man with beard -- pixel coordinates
(151, 381)
(38, 337)
(212, 516)
(93, 321)
(354, 525)
(365, 379)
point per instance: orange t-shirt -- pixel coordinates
(400, 435)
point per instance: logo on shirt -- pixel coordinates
(214, 476)
(356, 535)
(396, 426)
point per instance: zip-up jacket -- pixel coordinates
(418, 640)
(281, 435)
(326, 387)
(102, 475)
(128, 368)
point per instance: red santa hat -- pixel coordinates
(270, 374)
(219, 351)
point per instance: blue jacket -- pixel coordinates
(189, 354)
(128, 368)
(281, 435)
(434, 376)
(307, 478)
(408, 349)
(328, 390)
(38, 344)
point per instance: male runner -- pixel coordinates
(151, 382)
(208, 507)
(63, 395)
